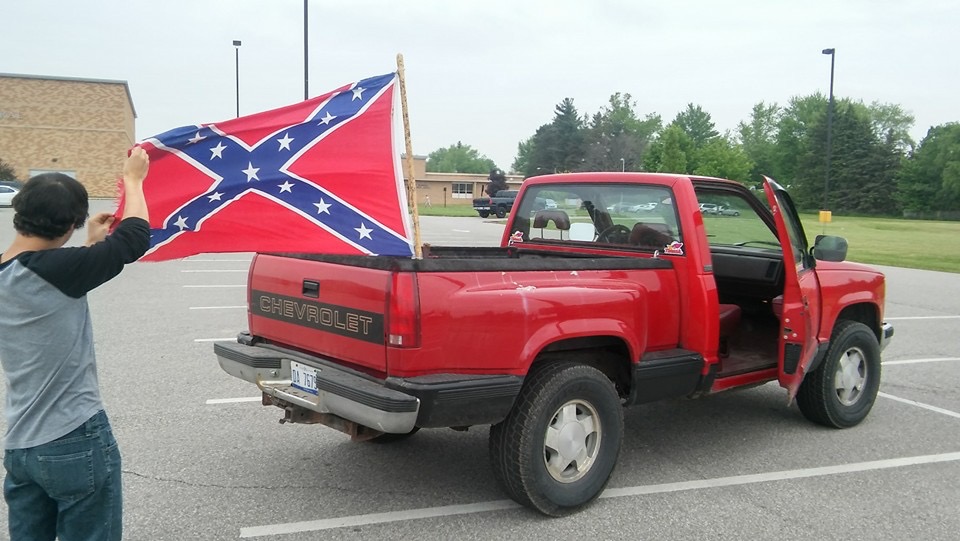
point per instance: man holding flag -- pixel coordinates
(62, 461)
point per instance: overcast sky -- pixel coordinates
(489, 72)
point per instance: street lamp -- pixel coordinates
(623, 165)
(236, 46)
(826, 180)
(306, 71)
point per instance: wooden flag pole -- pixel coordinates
(411, 182)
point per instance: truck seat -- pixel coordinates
(777, 305)
(648, 235)
(729, 320)
(559, 218)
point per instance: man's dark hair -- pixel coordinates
(48, 205)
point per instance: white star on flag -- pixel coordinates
(285, 187)
(327, 118)
(181, 223)
(285, 142)
(364, 232)
(196, 138)
(358, 93)
(251, 172)
(215, 196)
(217, 151)
(322, 207)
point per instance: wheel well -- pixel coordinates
(865, 313)
(607, 354)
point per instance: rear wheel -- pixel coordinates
(501, 211)
(557, 448)
(483, 213)
(842, 390)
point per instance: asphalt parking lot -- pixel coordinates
(204, 460)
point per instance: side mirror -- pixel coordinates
(830, 248)
(582, 231)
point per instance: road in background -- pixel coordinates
(203, 460)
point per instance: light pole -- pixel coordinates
(306, 85)
(826, 180)
(236, 48)
(623, 165)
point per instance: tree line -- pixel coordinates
(875, 167)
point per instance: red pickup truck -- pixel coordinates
(624, 294)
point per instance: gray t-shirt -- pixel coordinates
(46, 336)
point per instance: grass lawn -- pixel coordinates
(917, 244)
(449, 210)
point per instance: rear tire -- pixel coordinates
(842, 390)
(556, 450)
(483, 213)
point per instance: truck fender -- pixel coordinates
(581, 328)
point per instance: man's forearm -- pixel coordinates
(134, 204)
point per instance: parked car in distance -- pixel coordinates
(643, 207)
(6, 195)
(727, 211)
(549, 203)
(708, 208)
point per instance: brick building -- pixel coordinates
(80, 127)
(449, 189)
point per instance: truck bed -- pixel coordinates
(485, 259)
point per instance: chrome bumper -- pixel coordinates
(886, 334)
(339, 392)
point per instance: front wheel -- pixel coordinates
(557, 448)
(501, 212)
(842, 390)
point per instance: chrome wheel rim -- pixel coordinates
(851, 377)
(572, 441)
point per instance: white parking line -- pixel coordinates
(916, 361)
(218, 285)
(217, 260)
(234, 400)
(215, 270)
(231, 339)
(919, 317)
(499, 505)
(217, 307)
(920, 405)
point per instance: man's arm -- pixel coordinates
(134, 171)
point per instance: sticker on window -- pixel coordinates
(517, 236)
(674, 248)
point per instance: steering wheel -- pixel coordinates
(616, 233)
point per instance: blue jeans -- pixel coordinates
(70, 487)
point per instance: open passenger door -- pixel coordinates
(800, 319)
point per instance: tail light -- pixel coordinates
(403, 311)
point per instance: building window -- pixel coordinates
(462, 190)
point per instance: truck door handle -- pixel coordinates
(311, 289)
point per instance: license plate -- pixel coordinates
(303, 377)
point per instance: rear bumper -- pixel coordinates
(394, 405)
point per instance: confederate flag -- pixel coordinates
(320, 176)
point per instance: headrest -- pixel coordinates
(544, 217)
